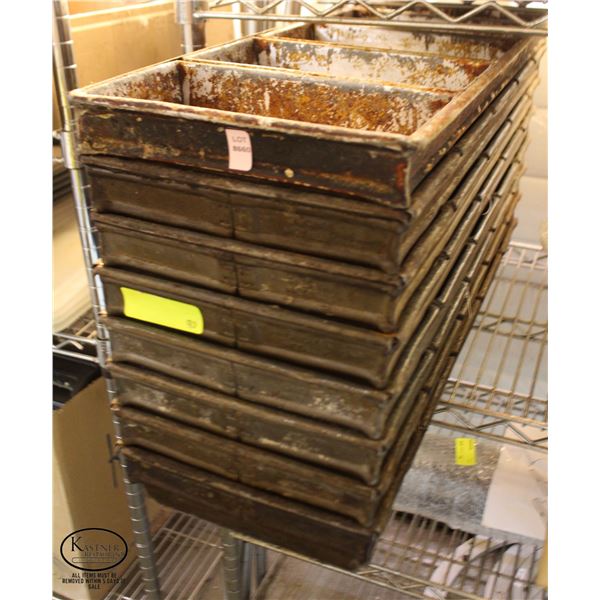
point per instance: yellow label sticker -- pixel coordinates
(465, 452)
(162, 311)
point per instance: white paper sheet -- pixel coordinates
(518, 496)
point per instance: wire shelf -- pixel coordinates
(415, 550)
(416, 557)
(499, 382)
(79, 340)
(491, 16)
(187, 551)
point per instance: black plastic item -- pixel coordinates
(61, 180)
(70, 376)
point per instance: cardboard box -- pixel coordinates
(88, 492)
(111, 37)
(117, 39)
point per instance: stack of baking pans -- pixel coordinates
(296, 232)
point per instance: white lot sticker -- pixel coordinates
(240, 149)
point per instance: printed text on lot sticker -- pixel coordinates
(162, 311)
(240, 149)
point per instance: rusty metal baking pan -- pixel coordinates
(344, 136)
(312, 441)
(316, 285)
(267, 330)
(290, 435)
(320, 534)
(285, 218)
(389, 66)
(178, 112)
(284, 334)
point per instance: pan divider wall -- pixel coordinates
(185, 551)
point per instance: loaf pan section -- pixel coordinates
(280, 217)
(477, 47)
(344, 136)
(344, 61)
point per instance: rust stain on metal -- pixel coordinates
(400, 175)
(163, 85)
(341, 182)
(307, 99)
(486, 48)
(425, 71)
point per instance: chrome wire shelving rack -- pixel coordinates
(522, 17)
(65, 79)
(499, 382)
(76, 339)
(416, 557)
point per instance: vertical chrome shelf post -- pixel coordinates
(65, 76)
(193, 29)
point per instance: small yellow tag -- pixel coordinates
(162, 311)
(465, 452)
